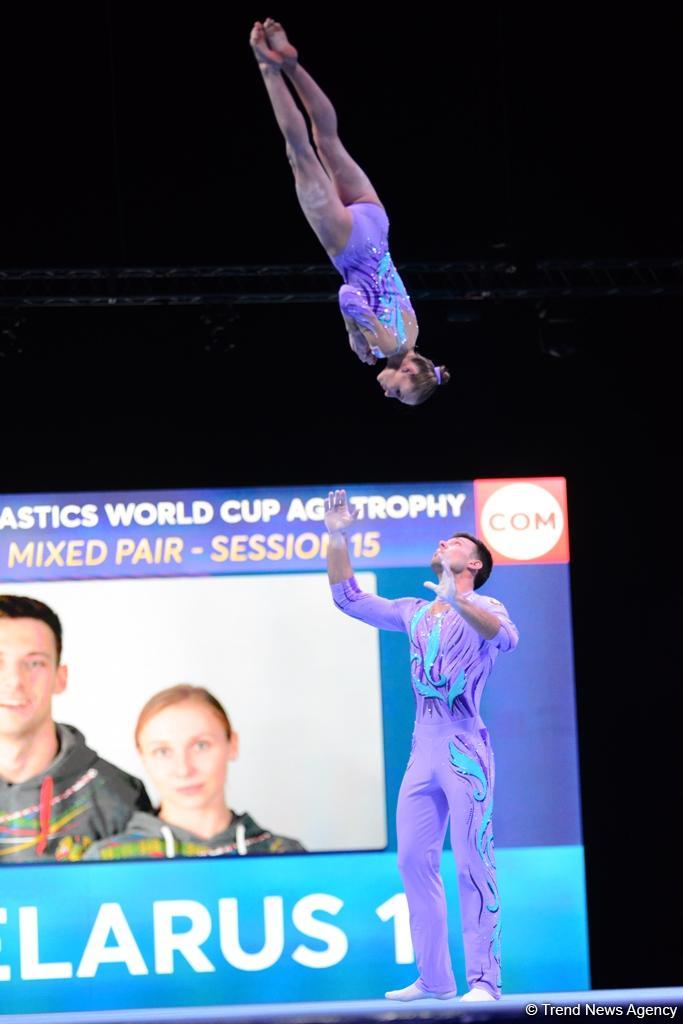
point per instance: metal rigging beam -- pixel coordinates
(465, 281)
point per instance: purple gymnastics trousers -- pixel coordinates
(450, 775)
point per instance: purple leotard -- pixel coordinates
(372, 283)
(450, 774)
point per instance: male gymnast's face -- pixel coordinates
(29, 676)
(457, 552)
(186, 751)
(398, 382)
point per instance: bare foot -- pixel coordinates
(266, 57)
(278, 41)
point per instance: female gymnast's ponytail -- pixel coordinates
(428, 377)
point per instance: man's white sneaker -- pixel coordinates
(406, 995)
(477, 995)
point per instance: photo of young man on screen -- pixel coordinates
(57, 796)
(186, 741)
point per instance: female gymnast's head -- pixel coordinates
(186, 740)
(411, 377)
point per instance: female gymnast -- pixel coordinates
(350, 221)
(186, 741)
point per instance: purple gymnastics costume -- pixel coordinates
(372, 283)
(450, 771)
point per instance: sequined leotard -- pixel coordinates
(450, 773)
(372, 283)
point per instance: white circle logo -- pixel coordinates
(522, 521)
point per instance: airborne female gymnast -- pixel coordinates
(350, 221)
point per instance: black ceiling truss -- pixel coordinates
(466, 281)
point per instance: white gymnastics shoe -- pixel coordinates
(477, 995)
(406, 995)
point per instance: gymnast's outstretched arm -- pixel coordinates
(346, 594)
(339, 517)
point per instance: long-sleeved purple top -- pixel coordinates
(449, 661)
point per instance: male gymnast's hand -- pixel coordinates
(445, 589)
(338, 513)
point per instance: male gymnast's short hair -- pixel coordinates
(13, 606)
(485, 558)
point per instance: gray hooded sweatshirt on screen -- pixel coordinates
(148, 836)
(77, 800)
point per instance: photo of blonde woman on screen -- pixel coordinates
(186, 742)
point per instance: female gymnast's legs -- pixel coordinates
(327, 179)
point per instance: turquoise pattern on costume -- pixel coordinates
(432, 653)
(468, 766)
(482, 828)
(493, 907)
(419, 614)
(416, 665)
(495, 949)
(423, 669)
(391, 286)
(457, 688)
(424, 689)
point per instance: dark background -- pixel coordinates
(141, 135)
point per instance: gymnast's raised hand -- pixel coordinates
(342, 207)
(339, 515)
(445, 590)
